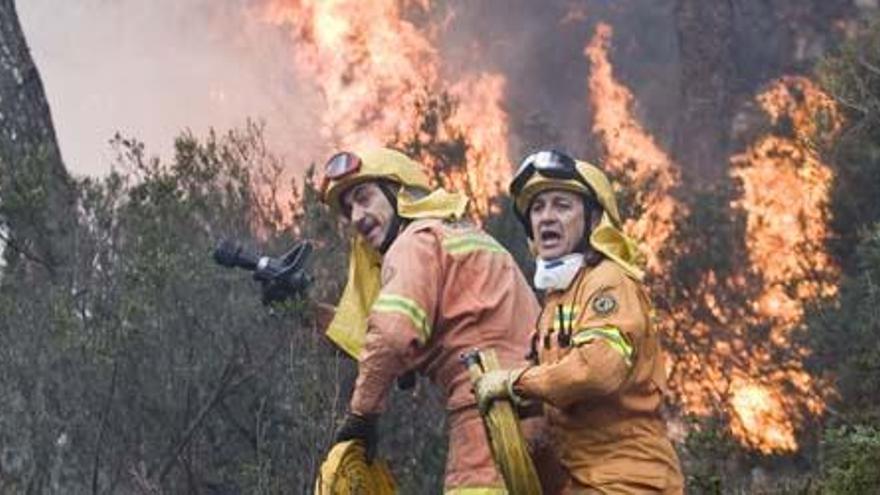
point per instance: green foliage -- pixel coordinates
(31, 193)
(155, 370)
(707, 447)
(846, 337)
(852, 76)
(850, 457)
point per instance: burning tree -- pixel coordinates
(110, 386)
(731, 325)
(732, 320)
(379, 73)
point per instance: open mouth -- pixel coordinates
(550, 236)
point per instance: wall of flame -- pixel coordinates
(376, 71)
(723, 364)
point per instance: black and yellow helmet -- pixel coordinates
(551, 169)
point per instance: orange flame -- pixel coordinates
(759, 417)
(785, 197)
(374, 68)
(722, 365)
(631, 151)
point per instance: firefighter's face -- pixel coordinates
(558, 222)
(369, 211)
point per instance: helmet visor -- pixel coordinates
(339, 166)
(549, 163)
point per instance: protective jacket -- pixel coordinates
(601, 376)
(446, 287)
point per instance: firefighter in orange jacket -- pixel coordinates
(600, 369)
(424, 287)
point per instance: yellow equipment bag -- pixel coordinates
(347, 472)
(506, 439)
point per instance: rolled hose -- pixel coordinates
(506, 440)
(346, 471)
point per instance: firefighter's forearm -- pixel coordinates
(587, 371)
(376, 374)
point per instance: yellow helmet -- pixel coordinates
(414, 200)
(346, 169)
(545, 170)
(552, 169)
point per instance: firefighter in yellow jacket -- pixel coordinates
(599, 367)
(424, 286)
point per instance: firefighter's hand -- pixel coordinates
(363, 428)
(497, 384)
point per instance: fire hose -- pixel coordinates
(346, 471)
(506, 439)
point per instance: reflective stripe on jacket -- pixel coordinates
(446, 288)
(601, 375)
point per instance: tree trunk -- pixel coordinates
(705, 39)
(36, 193)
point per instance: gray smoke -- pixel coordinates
(152, 69)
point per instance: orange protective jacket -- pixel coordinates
(601, 376)
(447, 287)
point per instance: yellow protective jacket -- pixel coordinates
(447, 287)
(602, 383)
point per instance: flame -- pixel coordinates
(480, 101)
(759, 417)
(732, 335)
(631, 151)
(785, 197)
(375, 70)
(722, 362)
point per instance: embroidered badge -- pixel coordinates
(604, 304)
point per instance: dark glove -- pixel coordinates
(362, 428)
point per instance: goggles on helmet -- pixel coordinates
(549, 163)
(339, 166)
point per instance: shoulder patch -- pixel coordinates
(388, 273)
(604, 304)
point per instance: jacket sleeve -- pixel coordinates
(605, 343)
(401, 319)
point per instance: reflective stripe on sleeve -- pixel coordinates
(611, 335)
(392, 303)
(467, 243)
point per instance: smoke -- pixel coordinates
(539, 46)
(153, 69)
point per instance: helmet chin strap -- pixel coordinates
(396, 222)
(391, 234)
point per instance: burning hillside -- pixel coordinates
(375, 70)
(731, 336)
(722, 364)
